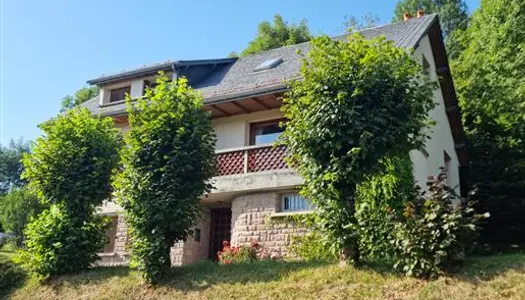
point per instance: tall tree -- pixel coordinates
(69, 168)
(167, 163)
(16, 210)
(279, 34)
(340, 129)
(453, 16)
(80, 96)
(11, 165)
(490, 80)
(368, 20)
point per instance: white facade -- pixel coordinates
(441, 140)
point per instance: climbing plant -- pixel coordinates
(167, 163)
(357, 102)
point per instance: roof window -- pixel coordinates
(268, 64)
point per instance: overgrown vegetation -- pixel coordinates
(16, 210)
(496, 277)
(167, 163)
(69, 169)
(359, 101)
(279, 34)
(11, 274)
(490, 81)
(379, 198)
(434, 230)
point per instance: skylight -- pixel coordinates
(268, 64)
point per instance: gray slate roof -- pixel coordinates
(237, 79)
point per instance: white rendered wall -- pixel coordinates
(440, 134)
(233, 132)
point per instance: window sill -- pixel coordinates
(290, 213)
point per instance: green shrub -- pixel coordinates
(433, 231)
(167, 164)
(311, 246)
(58, 244)
(70, 169)
(16, 210)
(357, 102)
(377, 197)
(11, 274)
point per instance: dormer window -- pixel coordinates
(119, 94)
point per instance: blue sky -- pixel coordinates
(48, 49)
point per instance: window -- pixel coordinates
(149, 84)
(119, 94)
(265, 132)
(294, 202)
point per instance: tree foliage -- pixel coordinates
(16, 210)
(11, 165)
(434, 230)
(368, 20)
(279, 34)
(358, 102)
(80, 96)
(490, 80)
(378, 197)
(167, 164)
(70, 169)
(453, 17)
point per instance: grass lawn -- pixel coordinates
(494, 277)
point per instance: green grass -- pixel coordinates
(494, 277)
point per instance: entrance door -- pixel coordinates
(220, 229)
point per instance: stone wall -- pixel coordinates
(253, 218)
(183, 253)
(120, 255)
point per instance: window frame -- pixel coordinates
(127, 89)
(308, 207)
(256, 125)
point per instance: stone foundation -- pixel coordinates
(183, 253)
(254, 219)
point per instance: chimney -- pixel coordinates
(420, 13)
(407, 16)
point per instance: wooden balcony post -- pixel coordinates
(246, 161)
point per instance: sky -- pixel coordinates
(49, 49)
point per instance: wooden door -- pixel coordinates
(220, 229)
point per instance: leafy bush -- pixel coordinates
(311, 246)
(16, 209)
(377, 197)
(11, 274)
(358, 102)
(433, 231)
(167, 163)
(70, 169)
(237, 254)
(59, 244)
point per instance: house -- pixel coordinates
(254, 187)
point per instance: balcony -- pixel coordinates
(250, 159)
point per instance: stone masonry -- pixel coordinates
(253, 218)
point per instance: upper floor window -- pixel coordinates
(149, 84)
(294, 202)
(119, 94)
(265, 132)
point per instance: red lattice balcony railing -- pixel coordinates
(250, 159)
